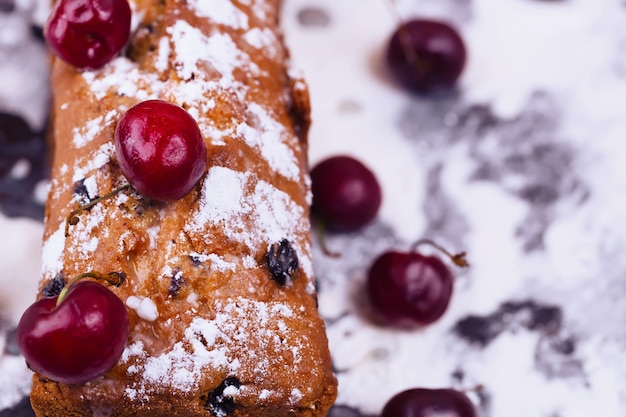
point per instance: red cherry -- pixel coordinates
(78, 340)
(346, 194)
(160, 150)
(423, 402)
(426, 55)
(88, 33)
(408, 289)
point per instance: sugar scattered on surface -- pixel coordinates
(270, 138)
(144, 307)
(97, 160)
(52, 252)
(162, 62)
(262, 39)
(209, 344)
(217, 262)
(273, 214)
(221, 11)
(191, 47)
(86, 133)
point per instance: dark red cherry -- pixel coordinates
(346, 194)
(407, 289)
(160, 150)
(88, 33)
(426, 55)
(423, 402)
(77, 340)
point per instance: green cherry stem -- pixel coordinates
(73, 218)
(112, 278)
(320, 226)
(459, 259)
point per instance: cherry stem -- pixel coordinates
(112, 278)
(321, 234)
(459, 259)
(405, 37)
(73, 218)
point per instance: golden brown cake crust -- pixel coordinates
(206, 314)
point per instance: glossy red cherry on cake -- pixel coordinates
(409, 289)
(346, 193)
(77, 340)
(426, 55)
(88, 33)
(160, 150)
(424, 402)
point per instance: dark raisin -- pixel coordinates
(218, 404)
(176, 282)
(195, 259)
(54, 287)
(282, 261)
(80, 190)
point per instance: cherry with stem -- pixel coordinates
(408, 289)
(78, 335)
(73, 219)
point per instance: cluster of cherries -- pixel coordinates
(77, 331)
(406, 289)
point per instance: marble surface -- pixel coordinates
(522, 167)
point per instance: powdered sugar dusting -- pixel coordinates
(274, 215)
(270, 138)
(123, 77)
(221, 11)
(212, 345)
(96, 161)
(193, 47)
(86, 133)
(52, 252)
(262, 39)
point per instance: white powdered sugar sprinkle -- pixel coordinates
(211, 344)
(193, 47)
(272, 212)
(220, 11)
(85, 134)
(144, 307)
(269, 137)
(96, 161)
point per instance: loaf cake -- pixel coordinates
(215, 328)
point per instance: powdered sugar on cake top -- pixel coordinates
(220, 344)
(221, 11)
